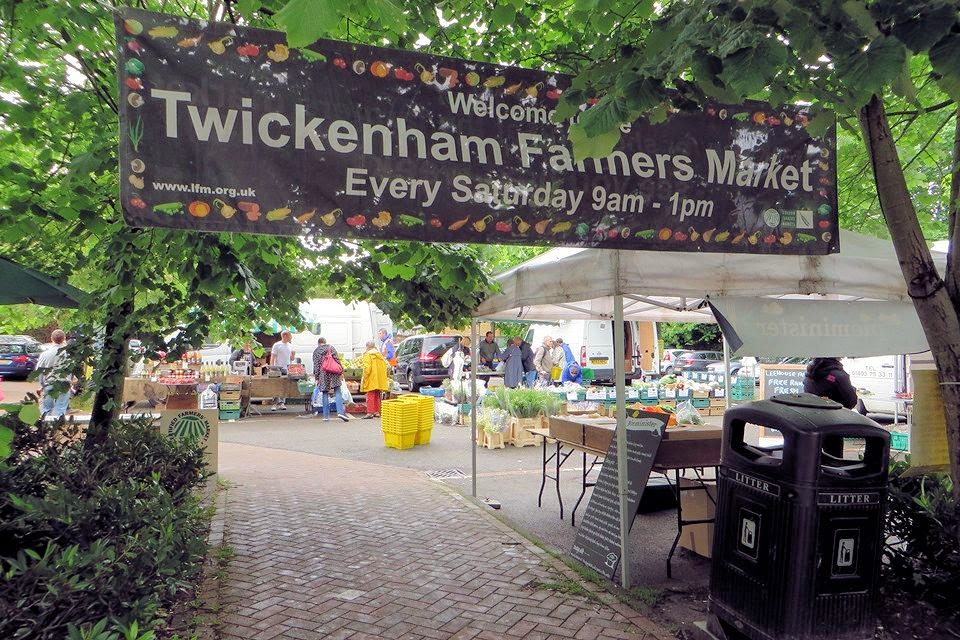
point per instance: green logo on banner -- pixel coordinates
(189, 425)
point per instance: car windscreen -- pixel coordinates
(12, 348)
(438, 345)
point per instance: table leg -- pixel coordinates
(583, 486)
(676, 540)
(557, 479)
(543, 473)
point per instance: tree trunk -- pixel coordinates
(111, 368)
(937, 312)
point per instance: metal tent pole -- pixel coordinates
(473, 403)
(619, 364)
(726, 368)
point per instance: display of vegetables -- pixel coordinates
(524, 403)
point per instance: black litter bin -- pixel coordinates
(796, 553)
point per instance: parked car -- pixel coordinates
(418, 359)
(668, 359)
(18, 356)
(696, 360)
(737, 364)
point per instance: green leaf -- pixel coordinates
(389, 13)
(597, 146)
(248, 7)
(502, 15)
(29, 413)
(867, 72)
(569, 105)
(923, 30)
(605, 116)
(748, 70)
(903, 85)
(859, 14)
(945, 59)
(306, 21)
(820, 122)
(6, 437)
(642, 94)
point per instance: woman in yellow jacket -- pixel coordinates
(374, 378)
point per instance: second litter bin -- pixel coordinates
(796, 553)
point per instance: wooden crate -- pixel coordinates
(491, 440)
(518, 434)
(716, 411)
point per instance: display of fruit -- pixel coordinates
(279, 53)
(306, 216)
(330, 218)
(481, 225)
(450, 76)
(198, 209)
(250, 209)
(163, 32)
(382, 219)
(459, 223)
(133, 27)
(134, 67)
(225, 210)
(279, 213)
(357, 220)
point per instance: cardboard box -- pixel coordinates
(596, 434)
(696, 505)
(182, 401)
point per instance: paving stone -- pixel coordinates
(336, 549)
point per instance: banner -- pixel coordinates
(225, 128)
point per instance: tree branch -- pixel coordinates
(953, 208)
(915, 112)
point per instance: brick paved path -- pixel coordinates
(330, 548)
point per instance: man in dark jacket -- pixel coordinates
(826, 377)
(529, 369)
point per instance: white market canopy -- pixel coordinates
(667, 286)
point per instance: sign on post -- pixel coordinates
(225, 128)
(776, 379)
(597, 543)
(201, 426)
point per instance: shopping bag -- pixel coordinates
(345, 393)
(317, 399)
(330, 364)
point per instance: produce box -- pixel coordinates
(668, 394)
(181, 401)
(230, 415)
(700, 394)
(229, 395)
(229, 405)
(718, 402)
(592, 433)
(716, 411)
(900, 441)
(701, 403)
(519, 436)
(697, 505)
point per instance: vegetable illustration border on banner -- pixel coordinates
(225, 128)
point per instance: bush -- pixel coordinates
(922, 554)
(92, 535)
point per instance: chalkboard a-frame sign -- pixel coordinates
(779, 379)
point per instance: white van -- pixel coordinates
(877, 379)
(592, 344)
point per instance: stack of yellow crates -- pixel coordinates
(424, 406)
(399, 422)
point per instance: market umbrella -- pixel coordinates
(20, 284)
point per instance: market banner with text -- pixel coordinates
(225, 128)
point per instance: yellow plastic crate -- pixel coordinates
(399, 417)
(423, 436)
(424, 406)
(398, 440)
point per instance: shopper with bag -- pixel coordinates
(374, 380)
(328, 371)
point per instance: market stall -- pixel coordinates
(669, 286)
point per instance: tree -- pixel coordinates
(58, 186)
(850, 57)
